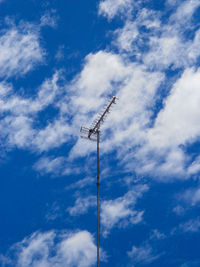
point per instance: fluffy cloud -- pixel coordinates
(20, 50)
(110, 8)
(127, 125)
(120, 211)
(133, 83)
(146, 141)
(177, 123)
(130, 38)
(55, 249)
(172, 50)
(161, 46)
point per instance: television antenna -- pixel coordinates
(93, 134)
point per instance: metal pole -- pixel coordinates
(91, 132)
(98, 206)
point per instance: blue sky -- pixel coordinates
(60, 62)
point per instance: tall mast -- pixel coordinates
(93, 134)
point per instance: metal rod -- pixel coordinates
(98, 206)
(92, 132)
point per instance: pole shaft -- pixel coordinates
(98, 205)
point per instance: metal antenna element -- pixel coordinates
(93, 134)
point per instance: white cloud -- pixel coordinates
(53, 135)
(190, 263)
(79, 250)
(19, 113)
(195, 166)
(96, 78)
(80, 184)
(191, 226)
(55, 166)
(179, 210)
(185, 11)
(60, 53)
(50, 165)
(5, 89)
(161, 45)
(18, 130)
(176, 124)
(52, 249)
(172, 50)
(130, 38)
(127, 125)
(110, 8)
(191, 196)
(120, 211)
(82, 205)
(142, 255)
(20, 50)
(54, 212)
(134, 85)
(144, 144)
(172, 2)
(49, 19)
(5, 260)
(157, 235)
(17, 105)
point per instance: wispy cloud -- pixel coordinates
(80, 184)
(55, 166)
(82, 205)
(142, 255)
(191, 196)
(161, 45)
(20, 49)
(157, 235)
(19, 114)
(121, 211)
(49, 19)
(192, 226)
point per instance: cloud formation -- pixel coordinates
(110, 8)
(142, 255)
(20, 50)
(147, 139)
(55, 249)
(120, 211)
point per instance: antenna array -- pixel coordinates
(95, 126)
(93, 134)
